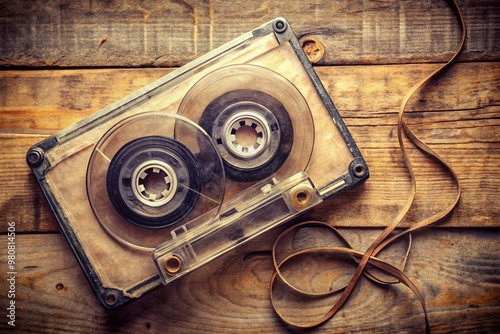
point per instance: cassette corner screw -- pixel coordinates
(34, 157)
(280, 25)
(111, 298)
(359, 170)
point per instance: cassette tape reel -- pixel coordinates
(260, 122)
(151, 171)
(191, 166)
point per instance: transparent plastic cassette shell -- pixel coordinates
(249, 214)
(317, 158)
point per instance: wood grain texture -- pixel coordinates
(456, 270)
(458, 117)
(170, 33)
(380, 49)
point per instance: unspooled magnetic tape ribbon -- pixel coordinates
(385, 238)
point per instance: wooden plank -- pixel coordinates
(456, 270)
(63, 97)
(359, 92)
(459, 118)
(22, 199)
(171, 33)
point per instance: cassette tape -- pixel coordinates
(200, 161)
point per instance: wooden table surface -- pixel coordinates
(63, 60)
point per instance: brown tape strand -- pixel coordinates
(369, 257)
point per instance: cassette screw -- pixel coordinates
(111, 298)
(313, 48)
(173, 264)
(301, 197)
(35, 157)
(359, 170)
(279, 25)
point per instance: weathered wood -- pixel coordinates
(456, 270)
(171, 33)
(459, 118)
(22, 199)
(360, 93)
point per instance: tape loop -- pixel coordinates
(385, 238)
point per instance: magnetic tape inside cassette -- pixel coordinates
(198, 162)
